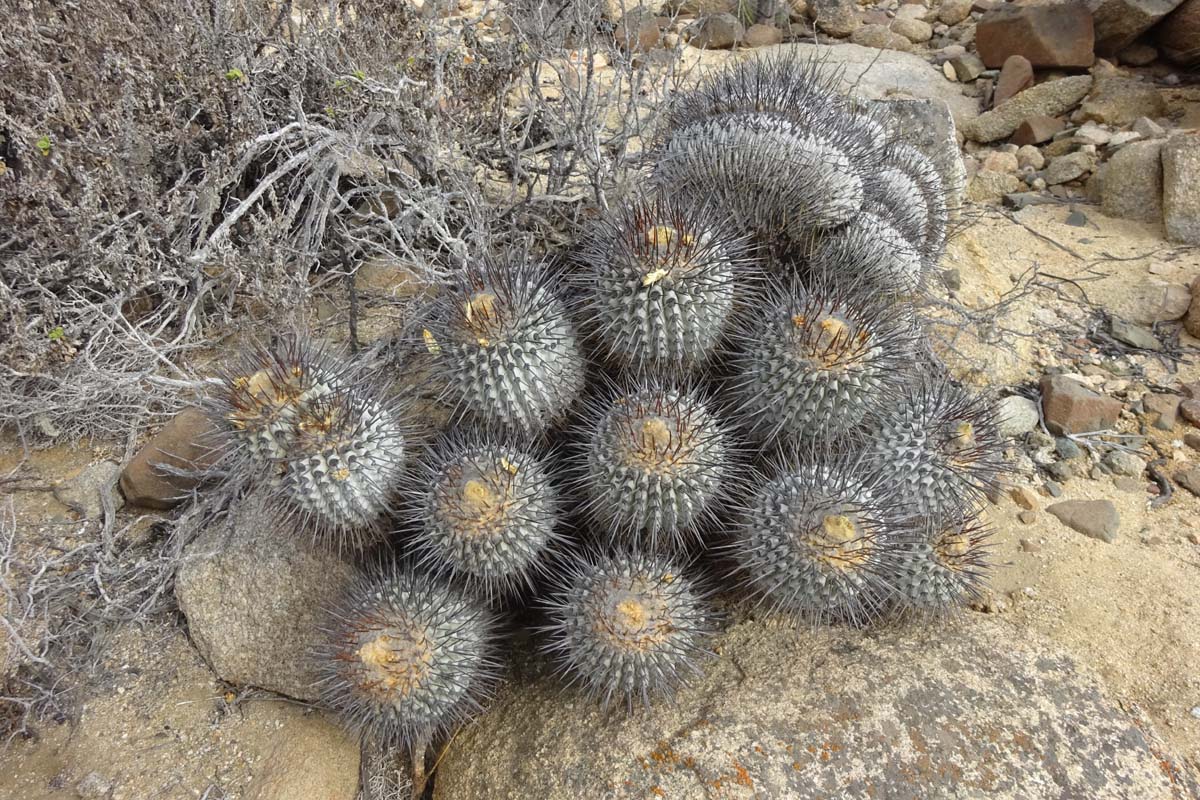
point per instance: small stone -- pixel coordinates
(948, 52)
(1096, 519)
(1181, 188)
(915, 30)
(1189, 479)
(1024, 497)
(1049, 35)
(1122, 138)
(952, 12)
(637, 32)
(880, 37)
(1148, 128)
(1093, 134)
(951, 279)
(1138, 55)
(1027, 545)
(836, 17)
(1029, 156)
(966, 67)
(1071, 407)
(948, 71)
(187, 443)
(1119, 101)
(1052, 488)
(1134, 335)
(1037, 129)
(1196, 712)
(1133, 188)
(1015, 76)
(1190, 411)
(1076, 219)
(1067, 449)
(991, 186)
(1162, 410)
(999, 162)
(1070, 167)
(1123, 463)
(86, 492)
(718, 32)
(94, 786)
(1016, 415)
(1192, 440)
(762, 35)
(1127, 484)
(1060, 471)
(1028, 518)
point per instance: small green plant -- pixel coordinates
(43, 144)
(235, 74)
(57, 334)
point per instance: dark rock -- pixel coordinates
(1179, 34)
(1189, 479)
(1190, 411)
(718, 32)
(1162, 410)
(187, 443)
(1070, 407)
(1015, 76)
(835, 17)
(1119, 22)
(1050, 35)
(1061, 471)
(951, 279)
(1096, 519)
(1138, 55)
(979, 709)
(1076, 219)
(1119, 101)
(1134, 336)
(1133, 182)
(1067, 449)
(1181, 188)
(1037, 129)
(1191, 321)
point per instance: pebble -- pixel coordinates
(1027, 518)
(1096, 519)
(1126, 484)
(1196, 712)
(1017, 415)
(1052, 488)
(1123, 463)
(1189, 479)
(1024, 497)
(1192, 440)
(1067, 449)
(1030, 546)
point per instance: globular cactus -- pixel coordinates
(486, 512)
(504, 349)
(909, 186)
(627, 626)
(938, 566)
(940, 447)
(656, 464)
(819, 361)
(659, 279)
(872, 247)
(815, 541)
(404, 656)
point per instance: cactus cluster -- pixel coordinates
(726, 374)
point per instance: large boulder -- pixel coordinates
(1179, 34)
(929, 126)
(1133, 182)
(972, 709)
(252, 588)
(1181, 188)
(1119, 22)
(1047, 99)
(1049, 35)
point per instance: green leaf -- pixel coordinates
(358, 73)
(57, 334)
(43, 144)
(235, 74)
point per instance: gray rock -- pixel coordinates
(1123, 463)
(1017, 415)
(1070, 167)
(967, 67)
(1162, 410)
(1133, 182)
(1096, 519)
(1152, 301)
(252, 588)
(1119, 101)
(928, 125)
(88, 492)
(1118, 22)
(1047, 99)
(835, 17)
(718, 32)
(974, 709)
(1067, 449)
(1148, 128)
(1189, 479)
(702, 8)
(1134, 335)
(881, 37)
(1181, 188)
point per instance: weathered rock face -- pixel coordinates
(718, 32)
(1133, 182)
(928, 126)
(971, 710)
(1119, 101)
(835, 17)
(186, 444)
(310, 757)
(1096, 519)
(1119, 22)
(1070, 407)
(252, 590)
(1181, 188)
(1049, 35)
(1015, 76)
(1179, 34)
(1046, 99)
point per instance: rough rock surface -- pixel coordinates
(1070, 407)
(1046, 99)
(1016, 75)
(1016, 415)
(252, 589)
(87, 493)
(1070, 167)
(185, 443)
(1049, 35)
(976, 709)
(310, 757)
(1181, 188)
(718, 32)
(1119, 101)
(928, 125)
(881, 37)
(1152, 301)
(835, 17)
(1133, 182)
(1119, 22)
(1179, 34)
(1037, 129)
(1096, 519)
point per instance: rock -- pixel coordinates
(1029, 156)
(1096, 519)
(1148, 128)
(881, 37)
(1093, 134)
(1123, 463)
(1070, 407)
(1119, 101)
(1179, 34)
(761, 35)
(1134, 335)
(94, 786)
(1119, 22)
(989, 187)
(966, 67)
(1191, 322)
(1027, 518)
(638, 31)
(1036, 130)
(251, 589)
(913, 29)
(1025, 498)
(1066, 449)
(1016, 415)
(91, 490)
(702, 8)
(1189, 479)
(835, 17)
(1151, 301)
(309, 757)
(1122, 138)
(1133, 188)
(1138, 55)
(1016, 75)
(952, 12)
(999, 161)
(977, 709)
(1049, 35)
(928, 125)
(948, 71)
(1190, 411)
(1181, 188)
(1192, 440)
(189, 443)
(1046, 99)
(1162, 410)
(1126, 484)
(718, 32)
(1070, 167)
